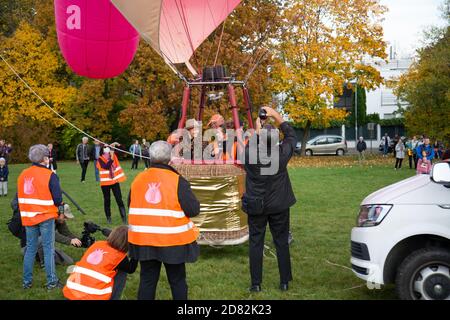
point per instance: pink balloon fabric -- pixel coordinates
(95, 39)
(175, 28)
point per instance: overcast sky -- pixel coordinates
(406, 19)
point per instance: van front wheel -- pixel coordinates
(424, 275)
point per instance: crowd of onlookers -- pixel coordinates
(419, 151)
(5, 154)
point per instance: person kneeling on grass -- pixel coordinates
(101, 273)
(62, 234)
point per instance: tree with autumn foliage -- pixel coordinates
(37, 64)
(320, 49)
(426, 87)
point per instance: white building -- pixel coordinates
(382, 100)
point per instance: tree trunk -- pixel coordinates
(305, 137)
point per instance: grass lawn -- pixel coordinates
(328, 198)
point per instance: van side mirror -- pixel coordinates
(441, 173)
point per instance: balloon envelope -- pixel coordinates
(175, 28)
(95, 39)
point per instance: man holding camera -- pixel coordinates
(268, 197)
(62, 234)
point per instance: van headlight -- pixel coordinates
(372, 215)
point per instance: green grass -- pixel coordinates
(321, 221)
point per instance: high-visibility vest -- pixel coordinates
(35, 199)
(92, 278)
(232, 155)
(155, 217)
(105, 178)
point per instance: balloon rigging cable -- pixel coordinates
(59, 115)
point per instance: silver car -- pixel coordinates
(326, 144)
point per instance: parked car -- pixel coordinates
(403, 236)
(325, 144)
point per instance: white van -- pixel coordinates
(403, 236)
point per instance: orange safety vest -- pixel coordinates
(92, 278)
(35, 199)
(105, 178)
(231, 155)
(155, 217)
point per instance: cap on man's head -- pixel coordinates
(2, 159)
(68, 212)
(216, 119)
(106, 150)
(191, 123)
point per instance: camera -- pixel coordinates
(89, 228)
(262, 114)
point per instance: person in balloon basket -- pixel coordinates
(40, 200)
(111, 175)
(101, 273)
(161, 204)
(269, 196)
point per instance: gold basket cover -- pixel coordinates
(219, 188)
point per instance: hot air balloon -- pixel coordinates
(95, 39)
(175, 29)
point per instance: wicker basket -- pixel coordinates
(219, 188)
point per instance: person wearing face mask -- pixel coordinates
(40, 199)
(111, 175)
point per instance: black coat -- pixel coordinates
(361, 146)
(275, 189)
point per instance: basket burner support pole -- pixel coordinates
(234, 107)
(248, 106)
(184, 106)
(202, 103)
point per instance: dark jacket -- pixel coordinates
(93, 154)
(275, 189)
(4, 172)
(62, 233)
(174, 254)
(79, 152)
(361, 146)
(53, 161)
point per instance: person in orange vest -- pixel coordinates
(101, 274)
(111, 175)
(161, 204)
(40, 199)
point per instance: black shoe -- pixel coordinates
(123, 215)
(284, 287)
(255, 288)
(108, 219)
(55, 285)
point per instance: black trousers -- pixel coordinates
(415, 161)
(147, 163)
(176, 274)
(279, 227)
(84, 164)
(134, 165)
(398, 163)
(120, 281)
(410, 159)
(115, 188)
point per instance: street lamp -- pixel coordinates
(355, 82)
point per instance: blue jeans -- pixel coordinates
(47, 231)
(97, 177)
(385, 149)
